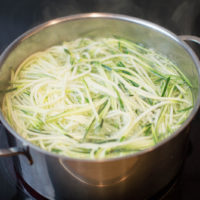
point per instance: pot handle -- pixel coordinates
(191, 38)
(13, 151)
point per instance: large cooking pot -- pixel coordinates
(140, 174)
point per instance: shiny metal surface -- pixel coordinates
(143, 173)
(14, 151)
(191, 38)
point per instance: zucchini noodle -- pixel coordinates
(97, 98)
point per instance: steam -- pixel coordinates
(53, 9)
(184, 15)
(178, 16)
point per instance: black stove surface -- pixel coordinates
(180, 16)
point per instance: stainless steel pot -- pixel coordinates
(143, 173)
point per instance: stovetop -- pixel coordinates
(180, 16)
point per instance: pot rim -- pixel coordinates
(100, 15)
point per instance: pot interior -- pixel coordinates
(100, 25)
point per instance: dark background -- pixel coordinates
(17, 16)
(179, 16)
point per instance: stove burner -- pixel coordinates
(26, 187)
(164, 192)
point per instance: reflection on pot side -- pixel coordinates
(95, 174)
